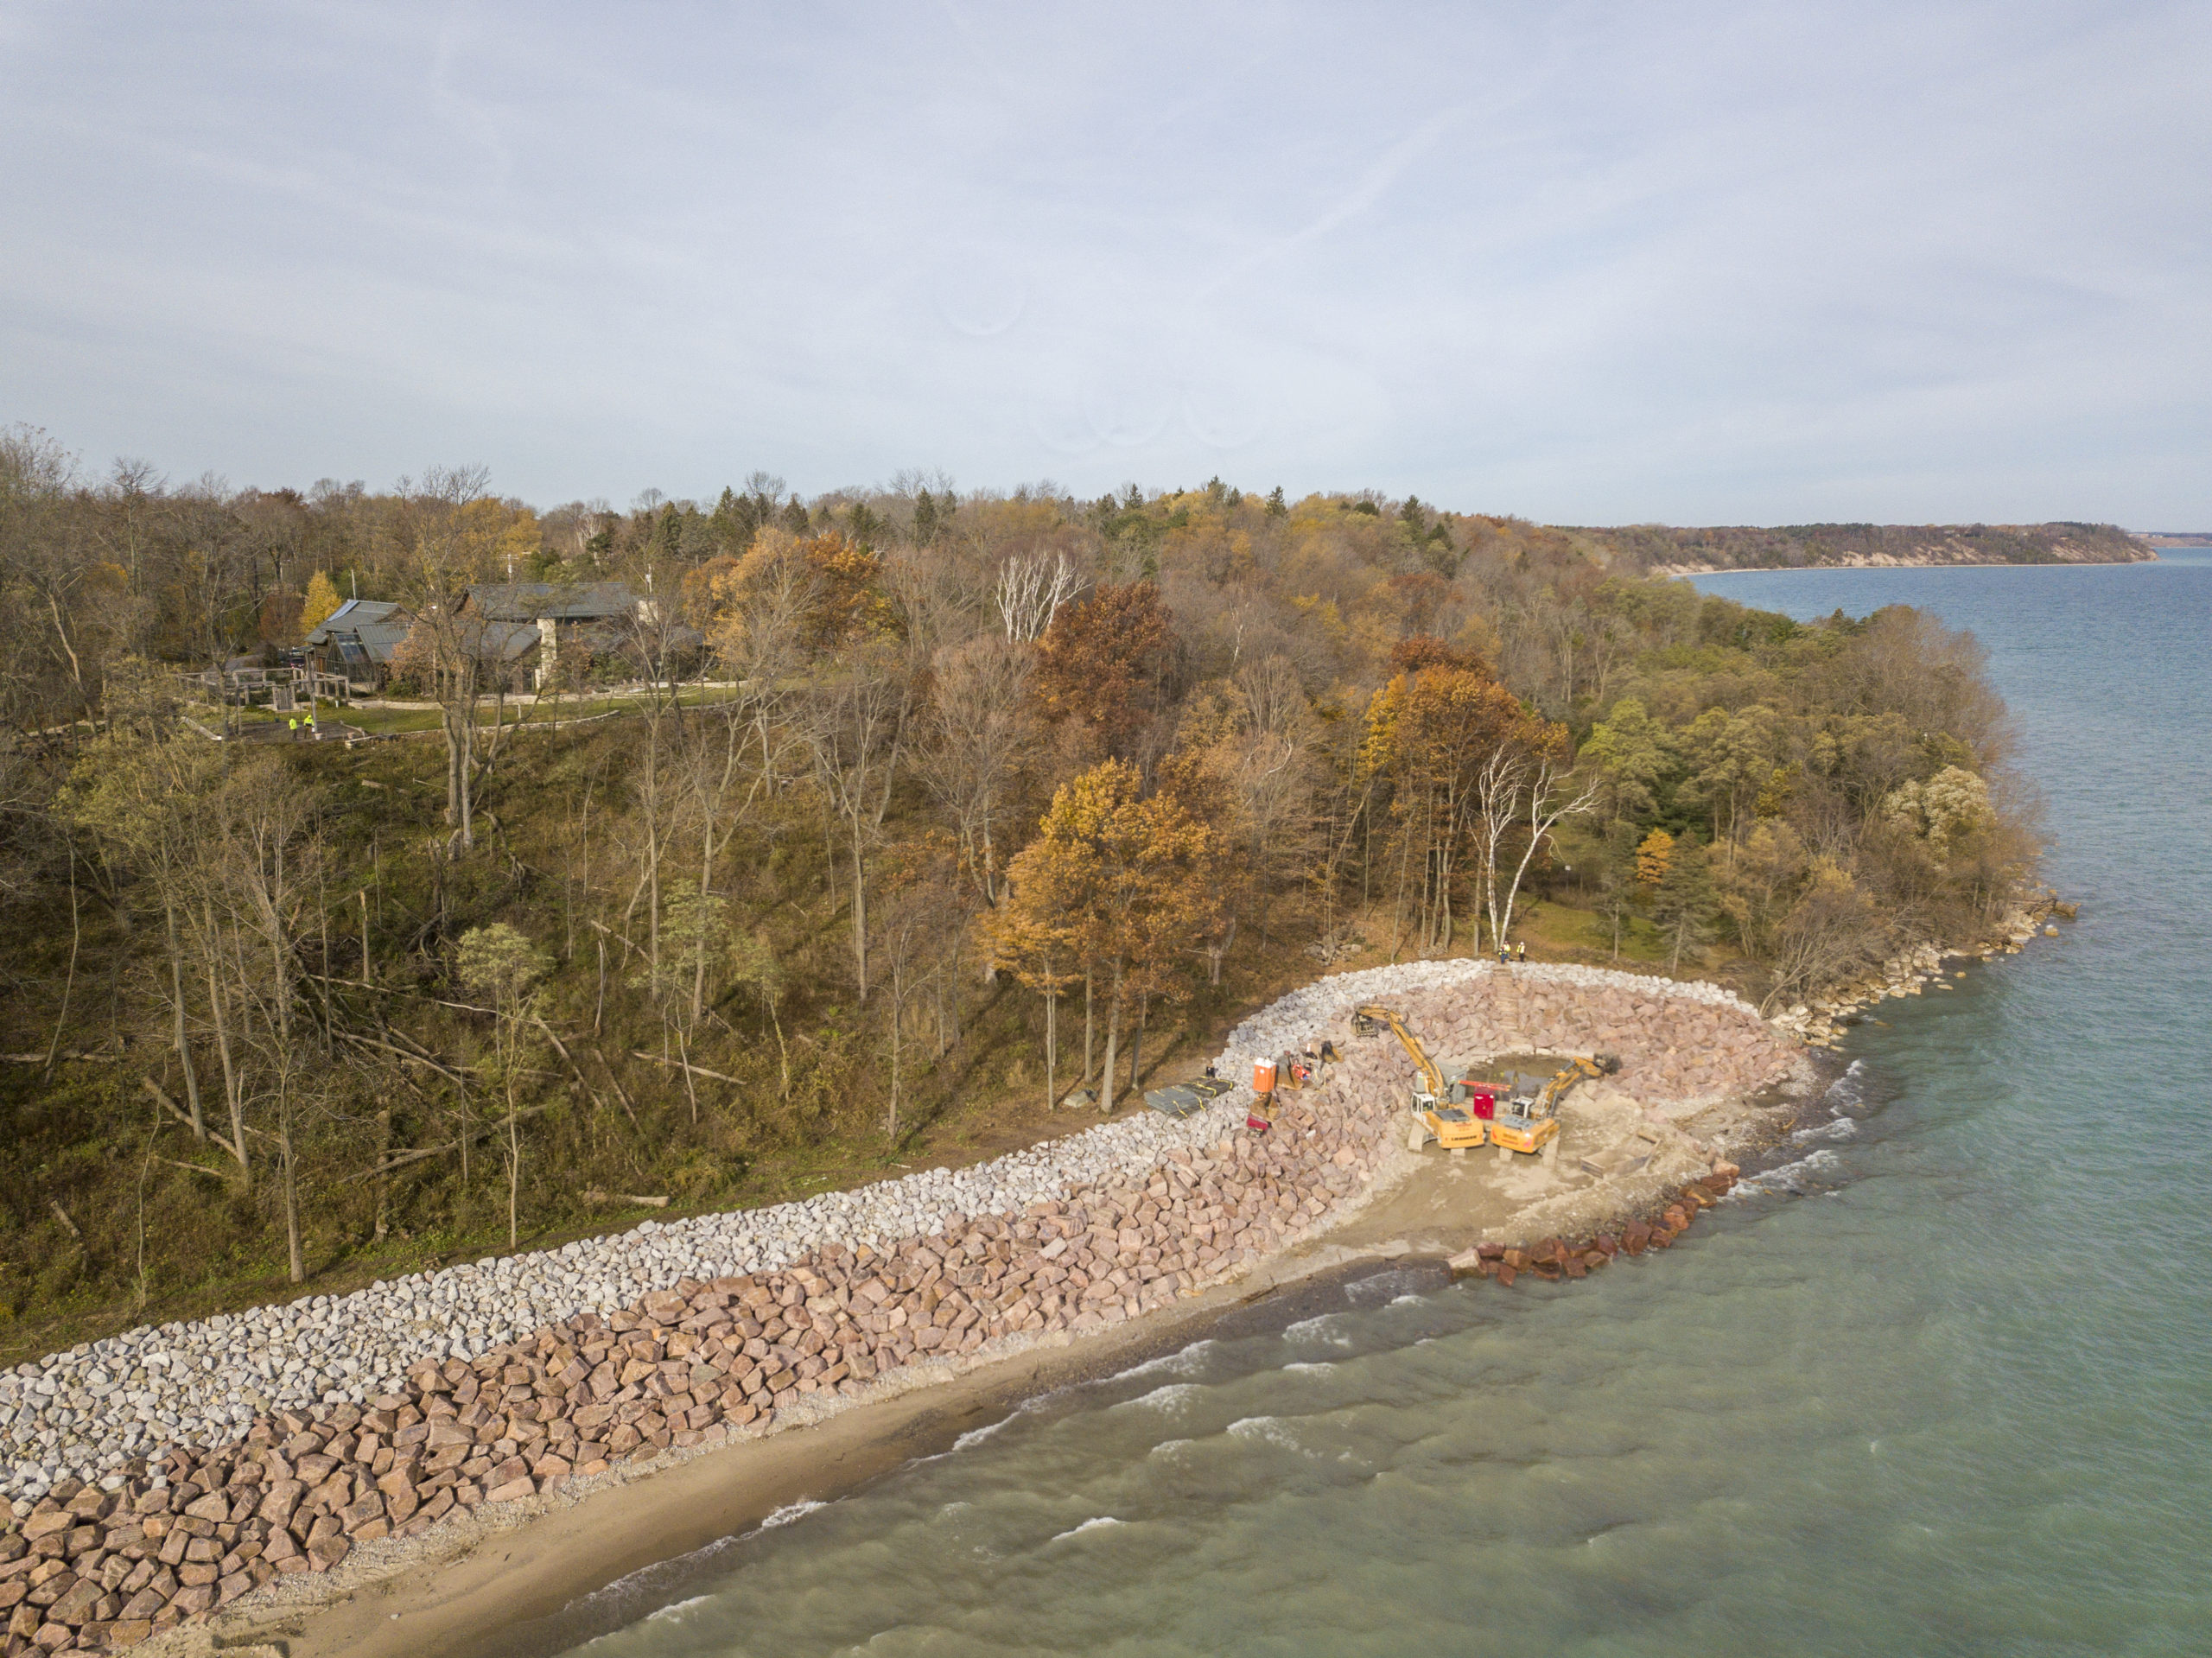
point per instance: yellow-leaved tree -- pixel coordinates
(1117, 886)
(322, 601)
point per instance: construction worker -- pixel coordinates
(292, 724)
(315, 731)
(1521, 953)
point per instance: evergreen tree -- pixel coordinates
(735, 522)
(666, 543)
(1684, 904)
(1616, 882)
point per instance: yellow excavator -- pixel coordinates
(1435, 1117)
(1529, 1123)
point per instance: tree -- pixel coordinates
(322, 602)
(1616, 882)
(1117, 880)
(1949, 806)
(500, 962)
(854, 724)
(1526, 787)
(977, 727)
(1683, 907)
(1454, 747)
(695, 946)
(260, 901)
(1635, 754)
(1732, 758)
(1245, 764)
(1654, 856)
(451, 534)
(140, 790)
(1031, 591)
(916, 921)
(1103, 665)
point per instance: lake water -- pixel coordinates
(1943, 1386)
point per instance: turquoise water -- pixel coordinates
(1943, 1386)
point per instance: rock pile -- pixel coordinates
(483, 1386)
(1556, 1258)
(85, 1412)
(1679, 1043)
(104, 1566)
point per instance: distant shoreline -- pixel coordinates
(1678, 572)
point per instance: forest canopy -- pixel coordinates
(854, 808)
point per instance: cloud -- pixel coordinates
(1692, 262)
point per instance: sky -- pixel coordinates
(1590, 263)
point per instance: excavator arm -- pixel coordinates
(1431, 1077)
(1571, 1076)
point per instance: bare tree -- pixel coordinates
(1030, 591)
(854, 724)
(978, 725)
(913, 929)
(1516, 787)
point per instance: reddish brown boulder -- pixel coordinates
(322, 1554)
(1507, 1272)
(197, 1598)
(76, 1607)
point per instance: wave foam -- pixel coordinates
(790, 1511)
(1268, 1430)
(1322, 1328)
(1793, 1178)
(1173, 1397)
(1097, 1522)
(1184, 1362)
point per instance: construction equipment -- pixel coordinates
(1528, 1121)
(1435, 1115)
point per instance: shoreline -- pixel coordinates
(1678, 572)
(531, 1586)
(539, 1585)
(1169, 1224)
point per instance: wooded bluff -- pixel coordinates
(712, 853)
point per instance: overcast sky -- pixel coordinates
(1590, 263)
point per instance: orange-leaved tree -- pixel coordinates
(1472, 771)
(1430, 734)
(1115, 886)
(1104, 662)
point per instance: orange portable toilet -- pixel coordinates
(1263, 1076)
